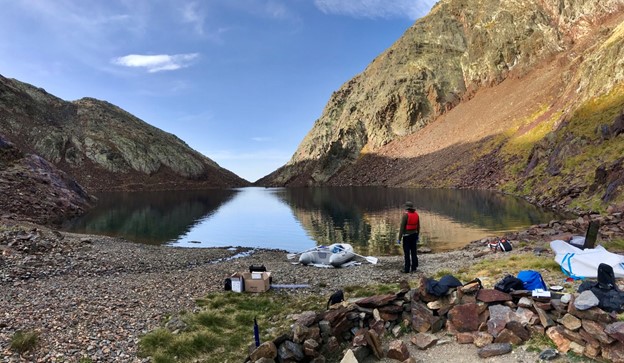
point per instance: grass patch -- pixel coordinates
(496, 269)
(24, 341)
(223, 329)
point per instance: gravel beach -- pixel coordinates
(94, 296)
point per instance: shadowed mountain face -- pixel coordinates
(33, 189)
(508, 95)
(102, 146)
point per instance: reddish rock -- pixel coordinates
(613, 352)
(465, 338)
(492, 295)
(398, 350)
(545, 319)
(311, 348)
(616, 330)
(424, 340)
(555, 334)
(589, 339)
(595, 313)
(421, 317)
(376, 301)
(597, 330)
(519, 330)
(374, 343)
(573, 336)
(507, 336)
(499, 317)
(422, 291)
(465, 317)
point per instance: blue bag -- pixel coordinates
(532, 280)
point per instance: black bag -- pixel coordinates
(509, 283)
(440, 288)
(335, 298)
(255, 268)
(608, 299)
(504, 245)
(228, 284)
(606, 277)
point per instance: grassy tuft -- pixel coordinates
(223, 329)
(24, 341)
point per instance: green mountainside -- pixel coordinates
(521, 96)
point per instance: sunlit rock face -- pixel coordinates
(458, 86)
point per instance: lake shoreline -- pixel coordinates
(94, 296)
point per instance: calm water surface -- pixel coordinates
(298, 219)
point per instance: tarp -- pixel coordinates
(578, 263)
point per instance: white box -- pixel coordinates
(256, 275)
(237, 284)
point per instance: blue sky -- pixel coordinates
(241, 81)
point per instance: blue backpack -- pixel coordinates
(532, 280)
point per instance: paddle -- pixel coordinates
(290, 256)
(370, 259)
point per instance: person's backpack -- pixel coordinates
(606, 277)
(532, 280)
(504, 245)
(509, 283)
(335, 298)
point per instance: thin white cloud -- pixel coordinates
(192, 14)
(412, 9)
(261, 139)
(156, 63)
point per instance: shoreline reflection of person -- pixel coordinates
(408, 234)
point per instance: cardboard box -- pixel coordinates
(256, 285)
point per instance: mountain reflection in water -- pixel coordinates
(295, 219)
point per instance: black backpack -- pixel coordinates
(504, 245)
(509, 283)
(335, 298)
(606, 277)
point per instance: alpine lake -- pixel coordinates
(297, 219)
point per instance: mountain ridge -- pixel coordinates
(103, 146)
(464, 50)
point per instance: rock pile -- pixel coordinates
(492, 320)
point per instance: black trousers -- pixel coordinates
(409, 252)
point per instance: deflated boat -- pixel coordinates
(335, 255)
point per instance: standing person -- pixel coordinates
(409, 231)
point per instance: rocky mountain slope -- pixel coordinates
(102, 146)
(523, 96)
(34, 190)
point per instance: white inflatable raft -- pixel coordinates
(335, 255)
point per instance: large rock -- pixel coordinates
(495, 349)
(465, 318)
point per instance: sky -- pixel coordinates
(241, 81)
